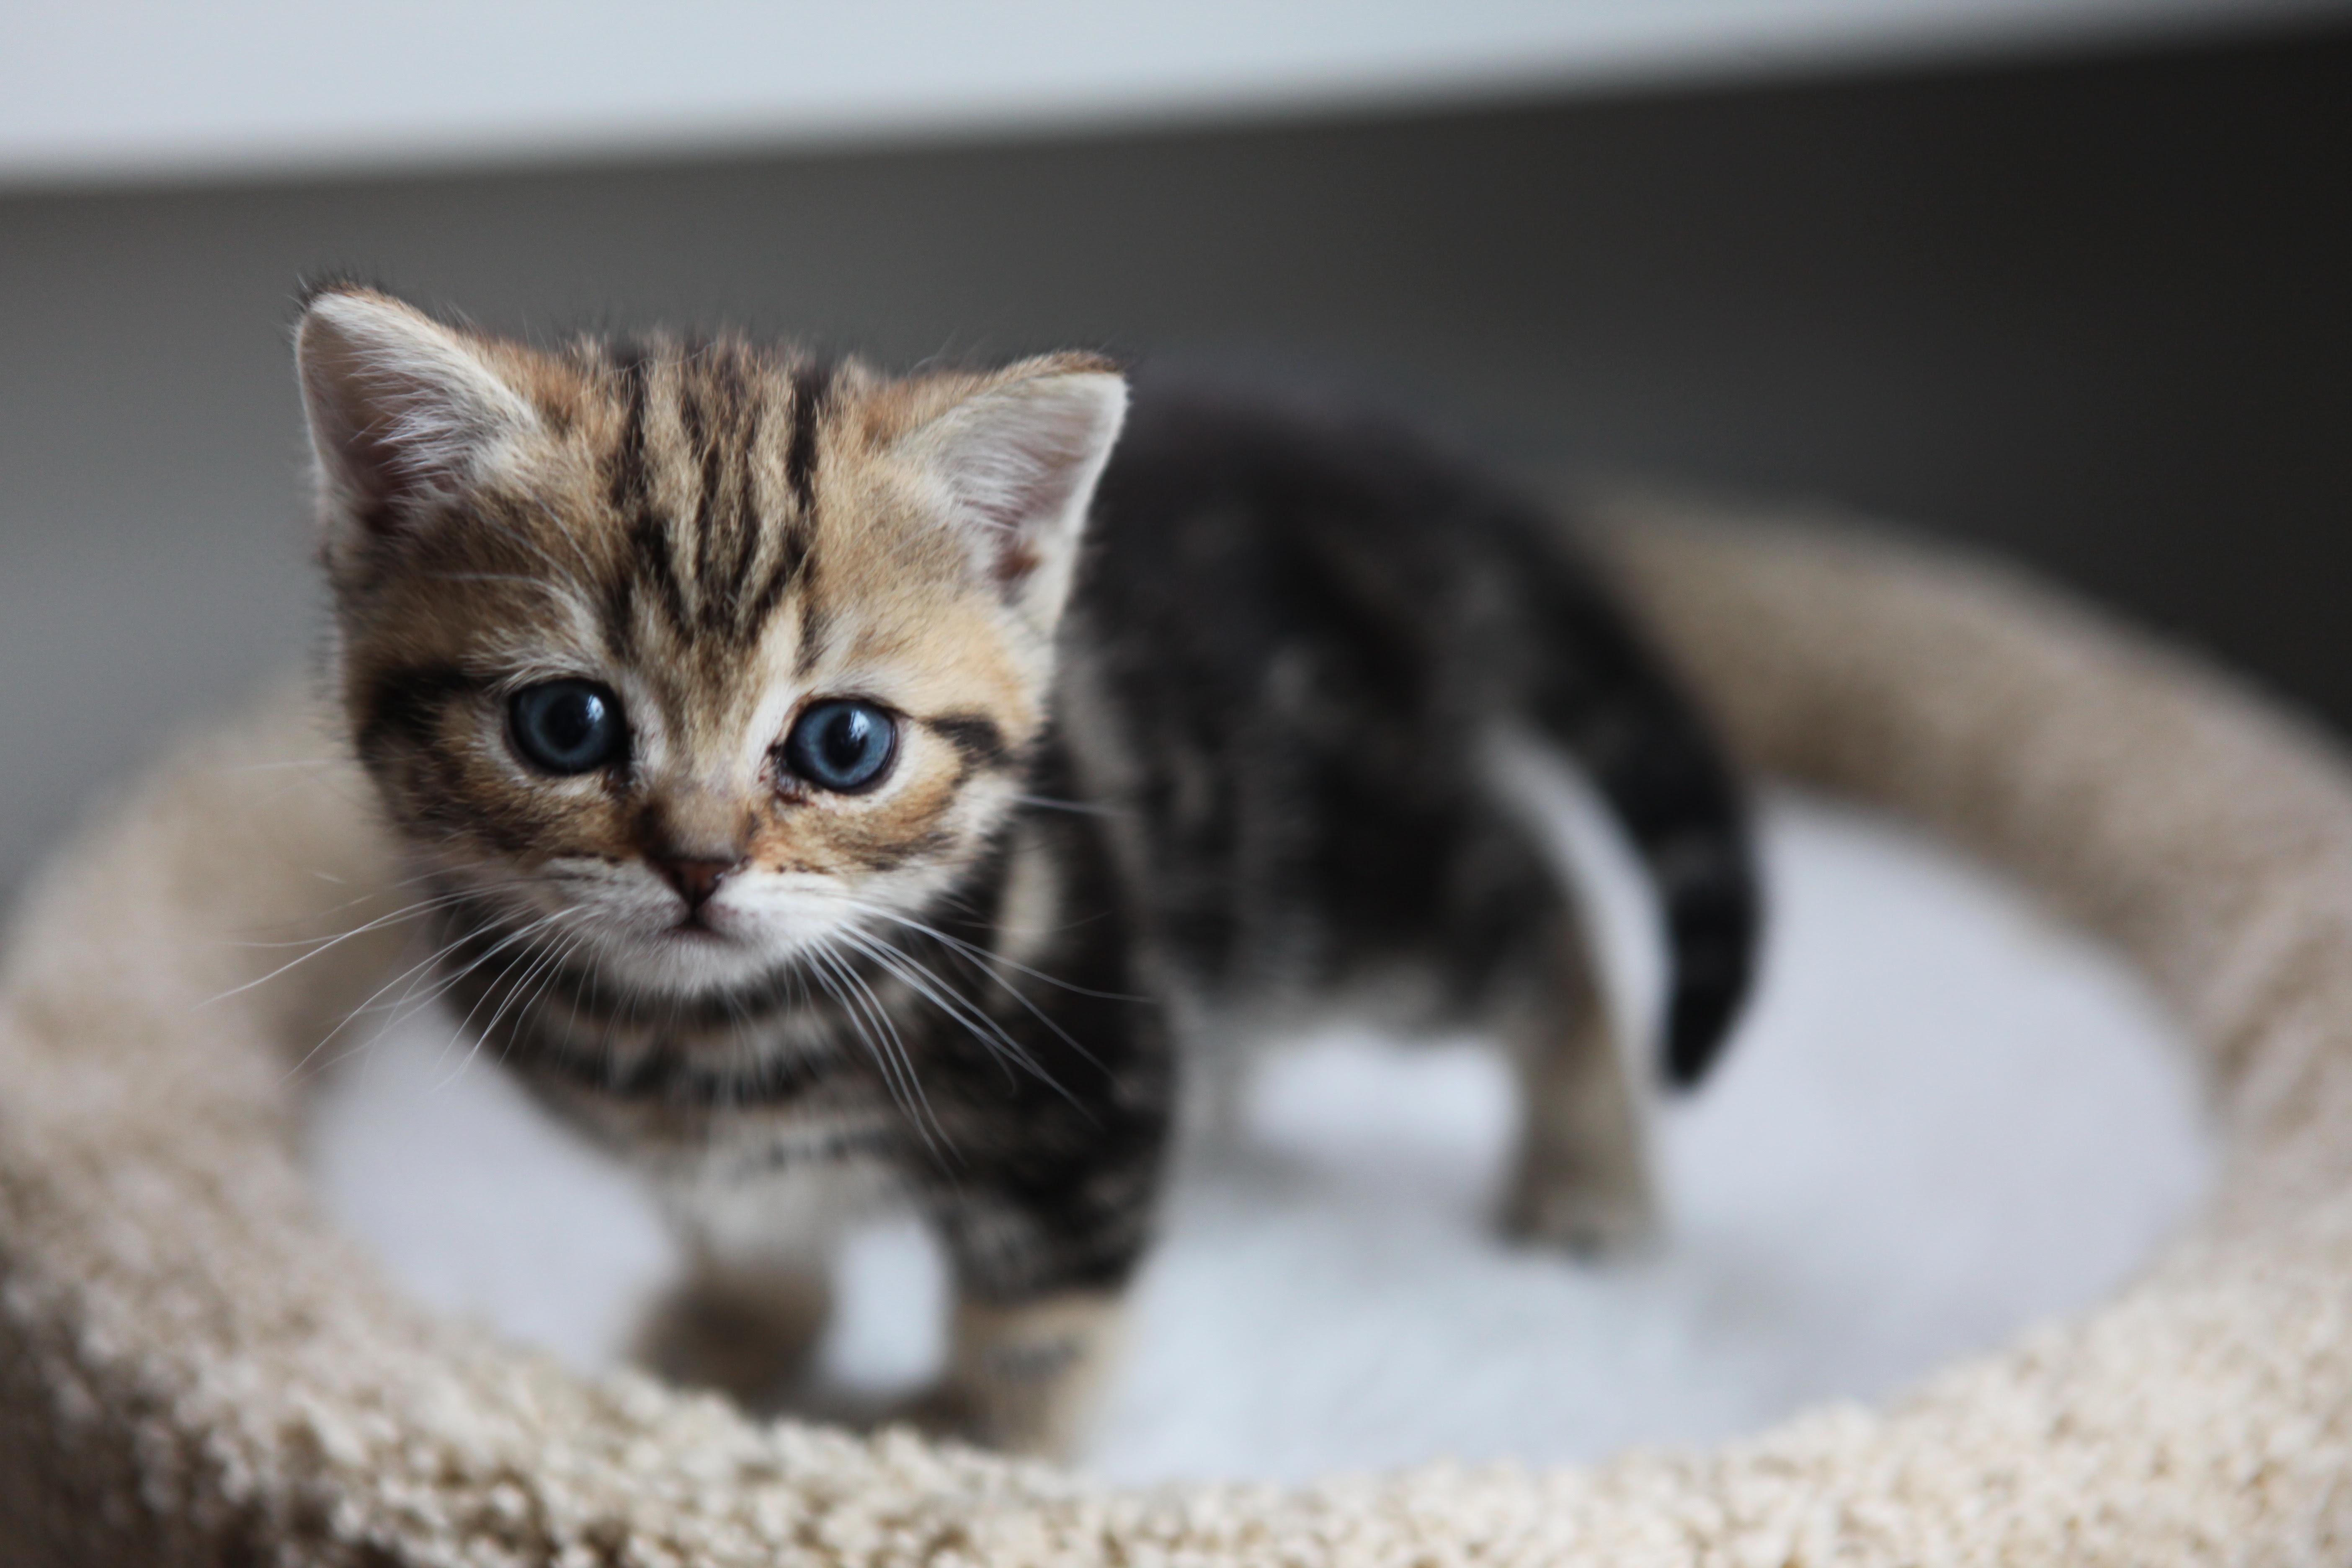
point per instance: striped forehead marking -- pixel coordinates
(710, 547)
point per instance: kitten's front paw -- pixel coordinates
(1037, 1419)
(1022, 1379)
(984, 1419)
(941, 1410)
(748, 1338)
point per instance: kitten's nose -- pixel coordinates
(695, 879)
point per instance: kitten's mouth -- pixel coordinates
(700, 926)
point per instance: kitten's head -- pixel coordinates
(692, 654)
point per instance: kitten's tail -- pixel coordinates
(1604, 694)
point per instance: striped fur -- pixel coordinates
(1245, 768)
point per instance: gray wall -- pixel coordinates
(2092, 312)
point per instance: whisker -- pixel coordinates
(897, 1062)
(454, 894)
(409, 1005)
(984, 961)
(527, 957)
(406, 912)
(546, 967)
(416, 973)
(509, 988)
(890, 1049)
(324, 945)
(354, 1014)
(1082, 808)
(985, 958)
(934, 989)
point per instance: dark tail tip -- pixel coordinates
(1714, 940)
(1699, 1026)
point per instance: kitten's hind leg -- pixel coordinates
(1582, 1177)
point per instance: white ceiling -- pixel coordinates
(115, 89)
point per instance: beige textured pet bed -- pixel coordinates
(195, 1369)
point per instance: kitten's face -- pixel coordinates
(691, 661)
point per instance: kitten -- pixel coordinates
(842, 786)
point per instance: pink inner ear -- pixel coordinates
(1016, 562)
(373, 467)
(1029, 495)
(1023, 461)
(397, 436)
(398, 408)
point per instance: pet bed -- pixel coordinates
(196, 1368)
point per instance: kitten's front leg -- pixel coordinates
(1026, 1377)
(742, 1329)
(756, 1291)
(1044, 1224)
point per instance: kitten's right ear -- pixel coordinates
(402, 409)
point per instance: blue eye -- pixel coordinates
(567, 726)
(843, 745)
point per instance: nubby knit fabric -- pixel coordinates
(196, 1368)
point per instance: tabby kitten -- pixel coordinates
(838, 786)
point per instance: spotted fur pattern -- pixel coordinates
(1255, 761)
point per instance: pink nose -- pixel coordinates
(695, 880)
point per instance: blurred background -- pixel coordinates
(2065, 277)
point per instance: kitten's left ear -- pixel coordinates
(1020, 459)
(403, 410)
